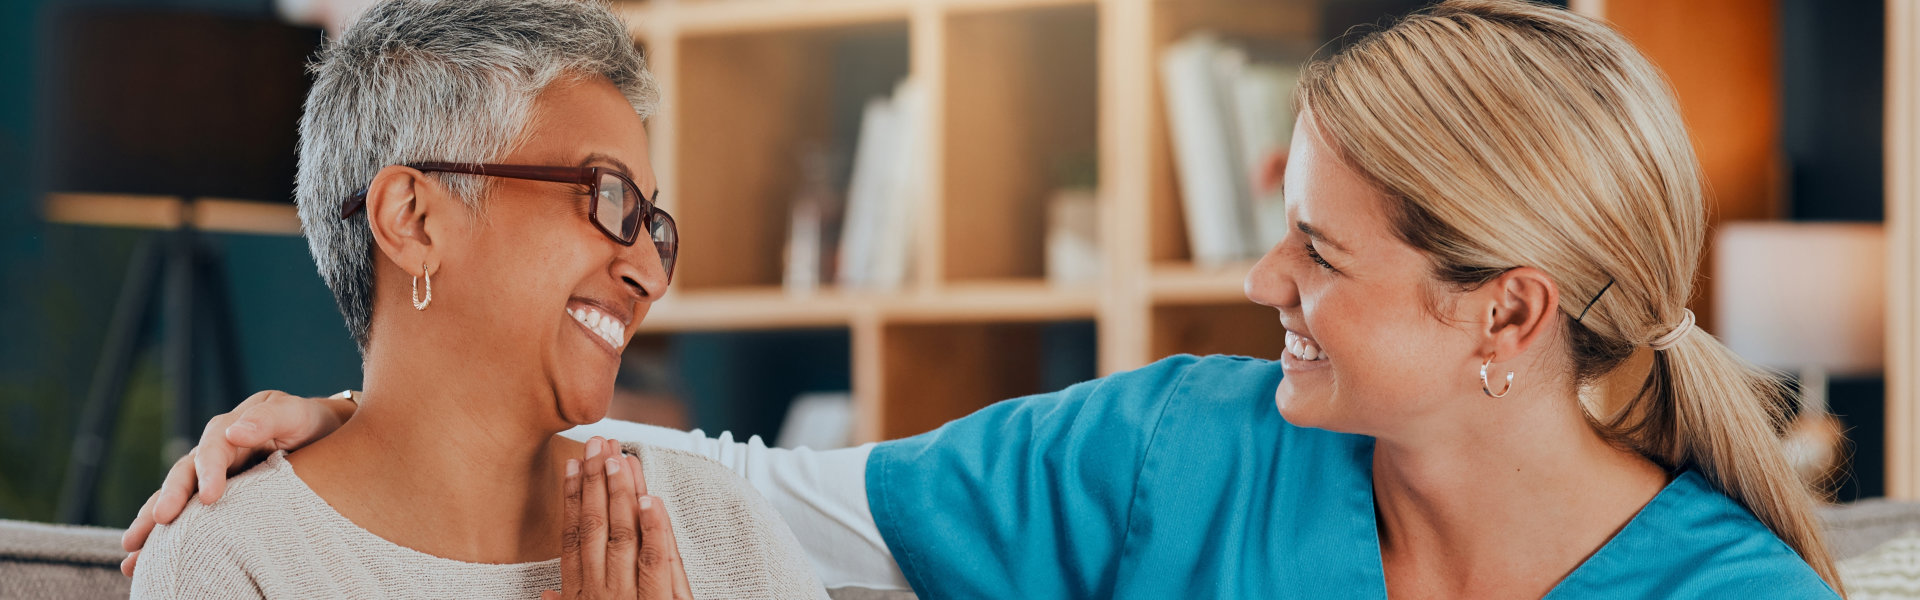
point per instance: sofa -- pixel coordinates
(53, 562)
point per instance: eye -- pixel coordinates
(1314, 254)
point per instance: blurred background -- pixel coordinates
(894, 212)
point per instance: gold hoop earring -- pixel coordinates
(1487, 387)
(419, 304)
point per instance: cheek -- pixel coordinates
(1388, 357)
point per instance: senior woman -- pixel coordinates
(1493, 205)
(466, 167)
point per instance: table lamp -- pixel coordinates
(1809, 299)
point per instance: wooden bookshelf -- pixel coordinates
(1015, 87)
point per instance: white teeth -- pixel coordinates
(607, 327)
(1303, 348)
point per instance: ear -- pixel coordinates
(408, 212)
(1520, 306)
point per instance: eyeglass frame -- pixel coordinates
(587, 176)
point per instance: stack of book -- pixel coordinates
(868, 242)
(1228, 116)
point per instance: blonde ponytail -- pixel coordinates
(1509, 133)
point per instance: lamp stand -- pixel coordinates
(193, 304)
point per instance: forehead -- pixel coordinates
(577, 117)
(1323, 191)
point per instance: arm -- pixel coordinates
(232, 442)
(185, 564)
(820, 494)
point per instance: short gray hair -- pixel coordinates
(437, 80)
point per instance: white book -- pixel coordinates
(893, 248)
(866, 191)
(1205, 153)
(1263, 107)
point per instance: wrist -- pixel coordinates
(343, 404)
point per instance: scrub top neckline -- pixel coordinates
(1371, 521)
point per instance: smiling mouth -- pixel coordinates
(1304, 348)
(609, 328)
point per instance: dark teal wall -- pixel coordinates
(58, 286)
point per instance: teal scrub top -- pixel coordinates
(1181, 480)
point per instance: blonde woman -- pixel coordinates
(1494, 204)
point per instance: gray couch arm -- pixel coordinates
(38, 560)
(1855, 528)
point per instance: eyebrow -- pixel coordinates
(1318, 235)
(609, 160)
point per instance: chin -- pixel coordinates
(579, 408)
(1304, 408)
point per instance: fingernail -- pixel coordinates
(573, 468)
(646, 502)
(613, 466)
(593, 447)
(242, 427)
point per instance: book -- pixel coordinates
(893, 247)
(884, 194)
(866, 190)
(1263, 113)
(1206, 155)
(1227, 114)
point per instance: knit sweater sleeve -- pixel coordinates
(192, 558)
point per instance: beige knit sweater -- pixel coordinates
(270, 536)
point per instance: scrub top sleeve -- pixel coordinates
(1025, 498)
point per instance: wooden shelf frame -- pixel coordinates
(218, 215)
(1903, 236)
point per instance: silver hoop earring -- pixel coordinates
(419, 304)
(1487, 387)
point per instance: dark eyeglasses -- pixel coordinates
(618, 209)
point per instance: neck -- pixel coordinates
(1507, 501)
(441, 444)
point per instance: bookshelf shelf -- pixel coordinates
(1003, 302)
(766, 307)
(170, 212)
(771, 307)
(1185, 283)
(735, 16)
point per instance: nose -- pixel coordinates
(1270, 283)
(640, 268)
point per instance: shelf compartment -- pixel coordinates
(1020, 121)
(937, 372)
(1241, 328)
(746, 106)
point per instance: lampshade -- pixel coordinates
(1794, 296)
